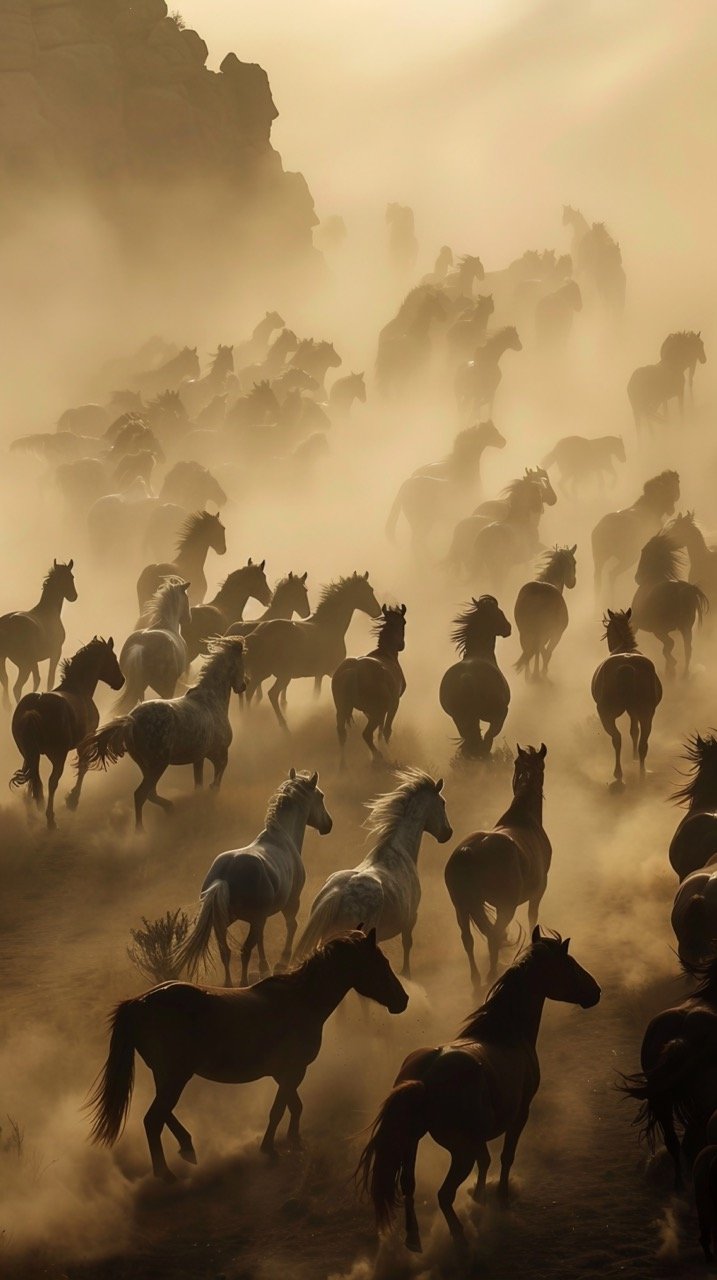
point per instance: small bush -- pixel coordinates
(154, 945)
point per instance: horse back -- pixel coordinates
(23, 636)
(627, 682)
(479, 1086)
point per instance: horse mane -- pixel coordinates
(334, 589)
(678, 342)
(665, 479)
(624, 629)
(701, 756)
(497, 1013)
(70, 666)
(289, 790)
(660, 559)
(552, 559)
(465, 624)
(193, 523)
(705, 974)
(153, 612)
(386, 811)
(236, 576)
(385, 623)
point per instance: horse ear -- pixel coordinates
(628, 613)
(313, 779)
(70, 563)
(305, 575)
(519, 749)
(292, 773)
(54, 564)
(291, 574)
(610, 613)
(439, 784)
(366, 575)
(543, 751)
(536, 935)
(564, 945)
(371, 937)
(403, 610)
(474, 600)
(359, 927)
(249, 561)
(573, 549)
(110, 643)
(186, 586)
(263, 563)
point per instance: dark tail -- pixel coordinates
(399, 1125)
(26, 731)
(111, 1093)
(463, 891)
(393, 515)
(107, 745)
(699, 599)
(659, 1090)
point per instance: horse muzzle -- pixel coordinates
(592, 999)
(398, 1002)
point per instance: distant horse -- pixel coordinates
(271, 1029)
(458, 283)
(315, 646)
(579, 460)
(434, 491)
(504, 867)
(579, 226)
(192, 486)
(402, 242)
(198, 392)
(520, 510)
(315, 358)
(53, 724)
(684, 350)
(168, 418)
(472, 1090)
(474, 690)
(273, 363)
(345, 391)
(253, 410)
(694, 914)
(598, 258)
(404, 354)
(554, 314)
(288, 597)
(695, 840)
(186, 730)
(626, 683)
(202, 532)
(469, 330)
(541, 614)
(373, 684)
(620, 535)
(478, 380)
(677, 1083)
(664, 602)
(227, 607)
(384, 888)
(501, 545)
(256, 347)
(257, 881)
(169, 375)
(703, 559)
(29, 638)
(155, 655)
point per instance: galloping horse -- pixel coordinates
(695, 840)
(202, 531)
(53, 724)
(271, 1029)
(289, 597)
(620, 535)
(664, 602)
(478, 380)
(703, 559)
(255, 882)
(686, 350)
(505, 867)
(472, 1090)
(186, 730)
(474, 689)
(541, 614)
(155, 655)
(384, 888)
(29, 638)
(626, 683)
(520, 509)
(373, 684)
(579, 459)
(227, 607)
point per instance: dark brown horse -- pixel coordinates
(201, 533)
(619, 536)
(472, 1090)
(54, 724)
(373, 684)
(232, 1036)
(626, 683)
(32, 637)
(541, 614)
(504, 867)
(474, 690)
(228, 605)
(288, 597)
(664, 602)
(695, 840)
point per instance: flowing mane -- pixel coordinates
(382, 626)
(386, 811)
(500, 1014)
(222, 651)
(334, 590)
(701, 756)
(468, 624)
(288, 791)
(705, 974)
(71, 667)
(666, 481)
(660, 559)
(53, 573)
(192, 527)
(154, 613)
(559, 558)
(622, 631)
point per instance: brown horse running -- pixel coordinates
(474, 690)
(472, 1090)
(620, 535)
(541, 614)
(373, 684)
(233, 1036)
(626, 683)
(201, 533)
(664, 602)
(227, 606)
(29, 638)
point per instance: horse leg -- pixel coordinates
(296, 1107)
(634, 734)
(464, 924)
(184, 1138)
(371, 726)
(147, 791)
(289, 913)
(167, 1096)
(198, 774)
(22, 675)
(263, 966)
(247, 947)
(496, 937)
(408, 1191)
(668, 645)
(58, 765)
(645, 729)
(72, 799)
(462, 1162)
(317, 687)
(611, 729)
(225, 954)
(51, 670)
(512, 1136)
(687, 642)
(407, 943)
(4, 683)
(278, 1108)
(275, 693)
(483, 1162)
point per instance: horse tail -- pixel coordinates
(107, 745)
(400, 1123)
(213, 915)
(464, 892)
(343, 701)
(26, 731)
(658, 1090)
(133, 692)
(393, 515)
(322, 924)
(699, 599)
(111, 1093)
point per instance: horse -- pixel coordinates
(541, 614)
(469, 330)
(501, 545)
(579, 226)
(384, 888)
(677, 1083)
(272, 364)
(53, 724)
(471, 1090)
(578, 460)
(198, 393)
(345, 391)
(403, 353)
(168, 418)
(271, 1029)
(402, 242)
(458, 283)
(315, 358)
(186, 730)
(519, 510)
(686, 350)
(504, 867)
(170, 375)
(259, 407)
(474, 690)
(620, 535)
(289, 597)
(203, 531)
(192, 486)
(227, 606)
(478, 380)
(373, 684)
(652, 386)
(694, 914)
(27, 639)
(703, 559)
(257, 881)
(155, 655)
(664, 602)
(695, 840)
(626, 683)
(315, 646)
(255, 348)
(554, 314)
(432, 491)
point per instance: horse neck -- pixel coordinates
(526, 806)
(335, 614)
(51, 599)
(81, 681)
(325, 987)
(168, 620)
(214, 685)
(704, 796)
(525, 1008)
(696, 547)
(291, 821)
(408, 832)
(192, 555)
(554, 575)
(386, 649)
(232, 599)
(482, 647)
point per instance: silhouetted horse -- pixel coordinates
(626, 683)
(684, 350)
(345, 391)
(578, 460)
(258, 881)
(474, 690)
(541, 614)
(479, 379)
(703, 559)
(664, 602)
(315, 358)
(620, 535)
(227, 607)
(271, 1029)
(202, 531)
(520, 510)
(472, 1090)
(255, 348)
(170, 374)
(27, 639)
(469, 330)
(53, 724)
(402, 242)
(651, 388)
(695, 840)
(155, 655)
(403, 354)
(373, 684)
(289, 597)
(505, 867)
(554, 314)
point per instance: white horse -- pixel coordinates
(155, 655)
(384, 891)
(258, 881)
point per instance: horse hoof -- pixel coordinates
(616, 786)
(188, 1154)
(71, 801)
(413, 1242)
(271, 1152)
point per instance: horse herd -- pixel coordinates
(267, 398)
